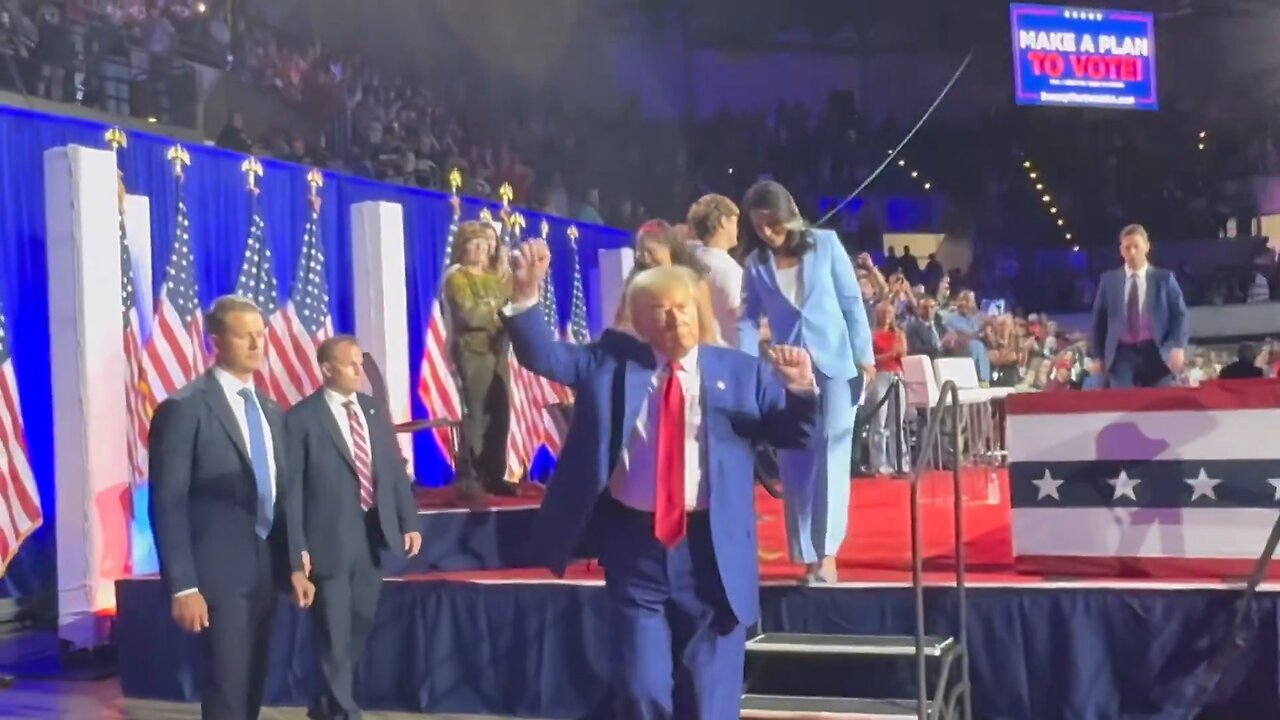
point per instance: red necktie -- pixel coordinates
(364, 465)
(668, 507)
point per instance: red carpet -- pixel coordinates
(879, 541)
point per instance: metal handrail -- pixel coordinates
(894, 393)
(949, 397)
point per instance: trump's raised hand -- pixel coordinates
(794, 365)
(529, 265)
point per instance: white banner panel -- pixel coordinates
(381, 302)
(615, 266)
(87, 363)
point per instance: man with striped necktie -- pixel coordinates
(349, 503)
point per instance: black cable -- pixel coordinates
(894, 153)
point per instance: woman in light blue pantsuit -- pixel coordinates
(802, 280)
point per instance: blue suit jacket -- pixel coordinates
(1165, 306)
(324, 498)
(204, 499)
(831, 322)
(742, 402)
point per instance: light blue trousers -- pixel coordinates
(816, 479)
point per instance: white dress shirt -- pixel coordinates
(338, 406)
(725, 279)
(791, 283)
(634, 480)
(231, 386)
(1138, 277)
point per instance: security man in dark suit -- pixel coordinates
(218, 483)
(350, 501)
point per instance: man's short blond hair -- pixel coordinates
(215, 321)
(1135, 229)
(665, 280)
(706, 215)
(660, 281)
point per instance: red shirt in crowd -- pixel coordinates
(884, 342)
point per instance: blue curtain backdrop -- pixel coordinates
(219, 215)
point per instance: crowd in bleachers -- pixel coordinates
(388, 123)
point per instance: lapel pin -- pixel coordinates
(719, 384)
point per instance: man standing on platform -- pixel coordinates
(659, 455)
(217, 481)
(349, 502)
(1140, 327)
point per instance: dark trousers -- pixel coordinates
(487, 416)
(343, 615)
(678, 649)
(1138, 365)
(236, 642)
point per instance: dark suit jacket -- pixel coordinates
(1165, 307)
(204, 498)
(743, 403)
(1240, 370)
(324, 499)
(922, 342)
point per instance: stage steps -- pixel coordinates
(782, 706)
(940, 694)
(944, 651)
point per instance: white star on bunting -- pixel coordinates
(1124, 486)
(1203, 485)
(1275, 483)
(1048, 486)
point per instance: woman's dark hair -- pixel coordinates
(681, 253)
(771, 197)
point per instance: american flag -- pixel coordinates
(436, 384)
(175, 352)
(22, 513)
(577, 332)
(137, 420)
(257, 282)
(298, 328)
(533, 424)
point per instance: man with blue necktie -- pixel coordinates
(659, 458)
(1140, 327)
(217, 486)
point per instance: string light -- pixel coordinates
(1047, 199)
(915, 174)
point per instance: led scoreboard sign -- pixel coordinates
(1083, 57)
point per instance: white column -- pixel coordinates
(381, 302)
(615, 266)
(87, 364)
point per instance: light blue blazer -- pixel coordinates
(831, 322)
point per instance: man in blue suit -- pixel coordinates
(659, 455)
(218, 481)
(1140, 329)
(349, 504)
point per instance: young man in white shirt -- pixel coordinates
(713, 223)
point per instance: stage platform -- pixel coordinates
(467, 629)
